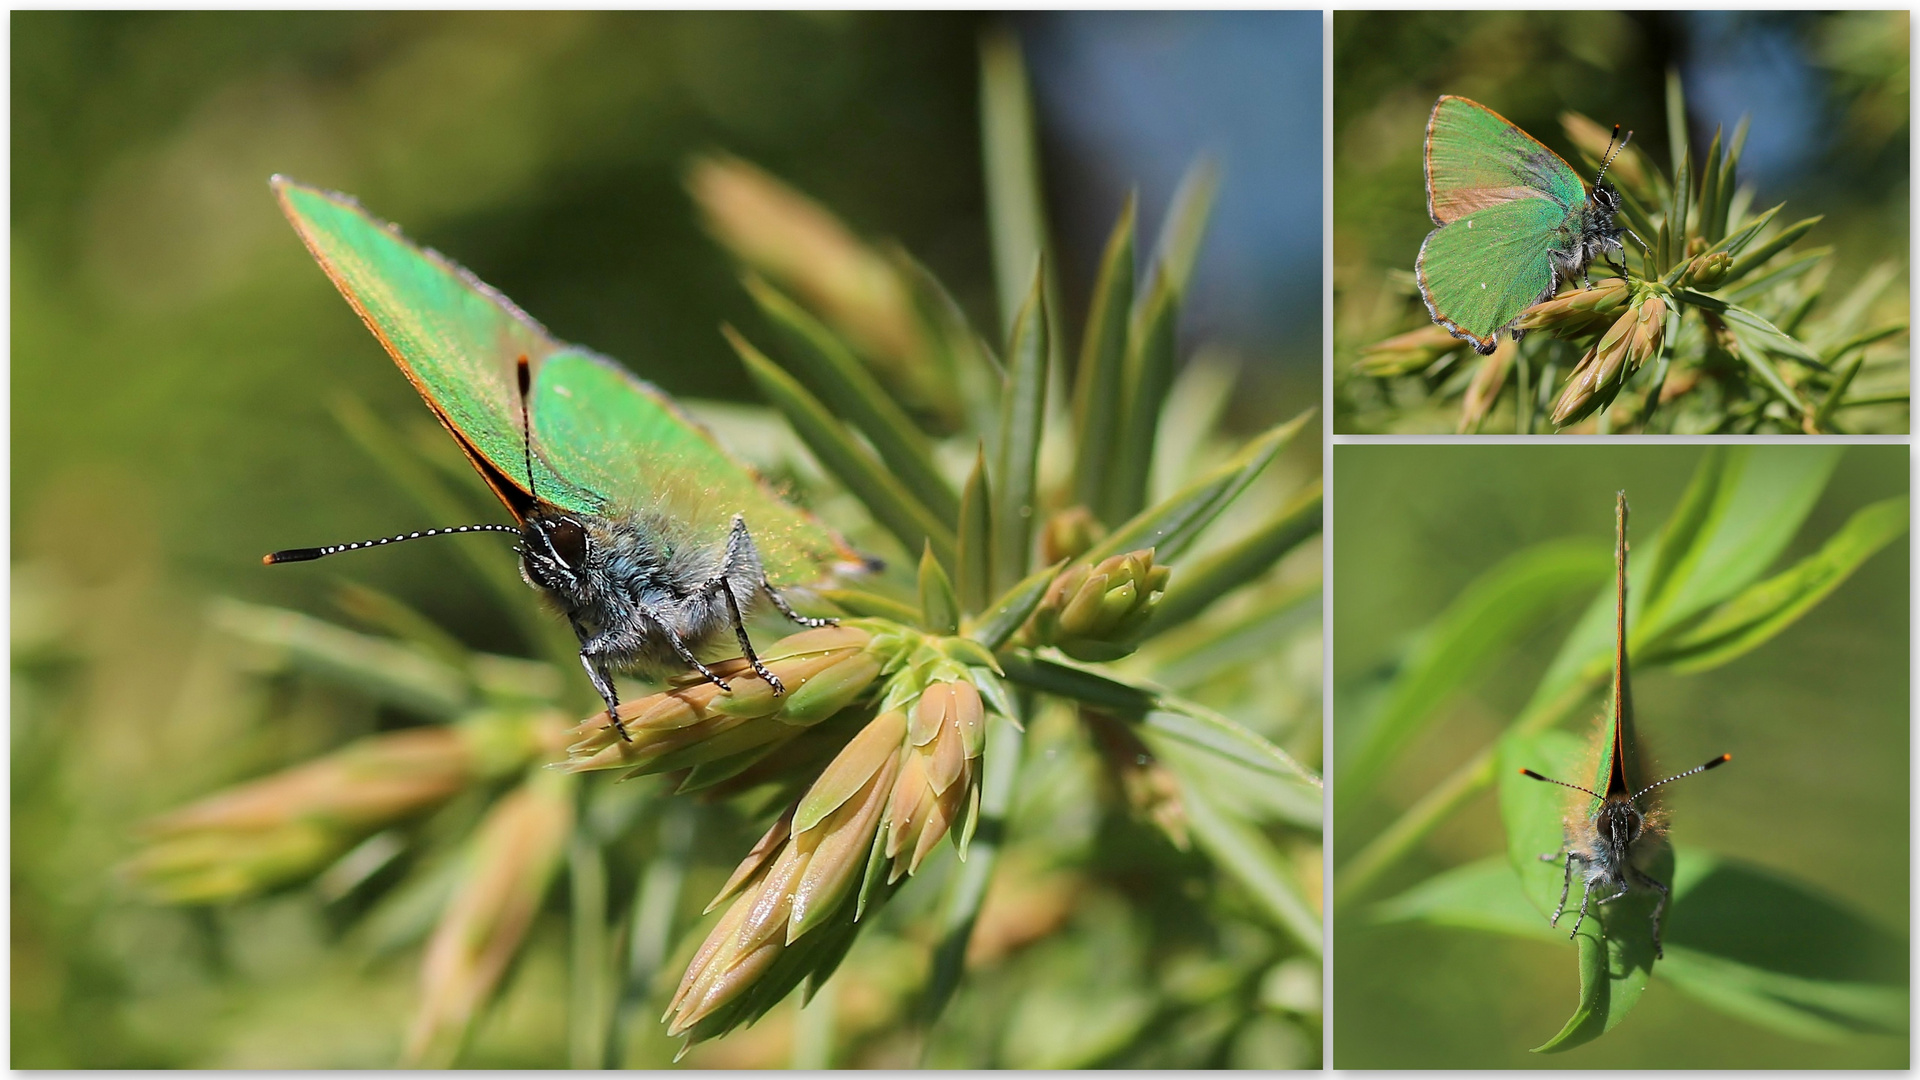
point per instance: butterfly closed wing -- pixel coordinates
(642, 529)
(1514, 221)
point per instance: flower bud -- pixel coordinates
(1649, 327)
(1097, 612)
(822, 670)
(1707, 271)
(1574, 313)
(909, 778)
(512, 857)
(288, 826)
(1488, 379)
(1406, 354)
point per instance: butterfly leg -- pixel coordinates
(1584, 897)
(780, 602)
(679, 646)
(742, 557)
(1659, 907)
(601, 683)
(1566, 882)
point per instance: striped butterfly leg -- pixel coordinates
(1659, 907)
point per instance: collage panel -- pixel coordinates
(1598, 222)
(636, 539)
(1620, 749)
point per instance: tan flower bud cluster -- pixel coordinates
(904, 782)
(1572, 314)
(1488, 380)
(1406, 354)
(287, 826)
(1097, 612)
(1706, 271)
(823, 671)
(509, 864)
(1631, 341)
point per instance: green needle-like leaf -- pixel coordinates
(1005, 615)
(862, 604)
(1152, 341)
(892, 505)
(1196, 586)
(1174, 524)
(1750, 261)
(1247, 856)
(829, 368)
(384, 670)
(939, 608)
(1016, 210)
(974, 545)
(1097, 390)
(1023, 410)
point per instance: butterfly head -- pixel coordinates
(556, 551)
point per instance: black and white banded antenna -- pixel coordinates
(308, 554)
(1614, 146)
(1721, 760)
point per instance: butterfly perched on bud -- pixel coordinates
(1610, 834)
(1513, 221)
(633, 521)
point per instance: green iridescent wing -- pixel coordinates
(603, 439)
(1501, 200)
(1617, 749)
(625, 440)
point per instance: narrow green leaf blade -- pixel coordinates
(1250, 858)
(1762, 611)
(1175, 523)
(1195, 587)
(827, 366)
(973, 571)
(939, 608)
(1097, 389)
(1013, 607)
(892, 505)
(1016, 210)
(1504, 605)
(1023, 409)
(1615, 941)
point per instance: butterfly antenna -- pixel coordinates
(524, 372)
(312, 553)
(1614, 146)
(1576, 787)
(1714, 764)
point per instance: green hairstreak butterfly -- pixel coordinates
(1514, 221)
(1608, 835)
(632, 520)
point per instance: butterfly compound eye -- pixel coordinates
(569, 541)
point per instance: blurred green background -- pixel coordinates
(1817, 721)
(1827, 92)
(176, 355)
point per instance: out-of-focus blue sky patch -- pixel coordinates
(1135, 97)
(1745, 63)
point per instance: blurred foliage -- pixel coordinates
(1564, 77)
(1143, 887)
(1766, 618)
